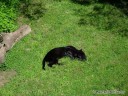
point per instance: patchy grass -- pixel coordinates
(5, 76)
(105, 69)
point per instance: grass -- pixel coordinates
(105, 69)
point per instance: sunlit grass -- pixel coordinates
(105, 68)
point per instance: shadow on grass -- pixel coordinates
(3, 67)
(120, 4)
(82, 2)
(33, 11)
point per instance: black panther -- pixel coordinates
(55, 54)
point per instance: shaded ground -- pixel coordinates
(5, 76)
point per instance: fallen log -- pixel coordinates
(8, 40)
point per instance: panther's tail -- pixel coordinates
(43, 64)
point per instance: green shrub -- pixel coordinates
(84, 1)
(105, 17)
(10, 2)
(7, 18)
(33, 10)
(9, 10)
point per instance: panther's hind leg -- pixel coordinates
(50, 64)
(56, 61)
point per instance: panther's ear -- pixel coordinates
(80, 49)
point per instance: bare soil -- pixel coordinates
(5, 76)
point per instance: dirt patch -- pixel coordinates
(5, 76)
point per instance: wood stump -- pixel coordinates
(8, 40)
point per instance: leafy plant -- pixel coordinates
(105, 17)
(10, 9)
(33, 10)
(7, 18)
(84, 2)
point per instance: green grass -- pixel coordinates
(105, 69)
(8, 16)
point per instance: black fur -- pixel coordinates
(55, 54)
(79, 54)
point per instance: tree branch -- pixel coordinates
(8, 40)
